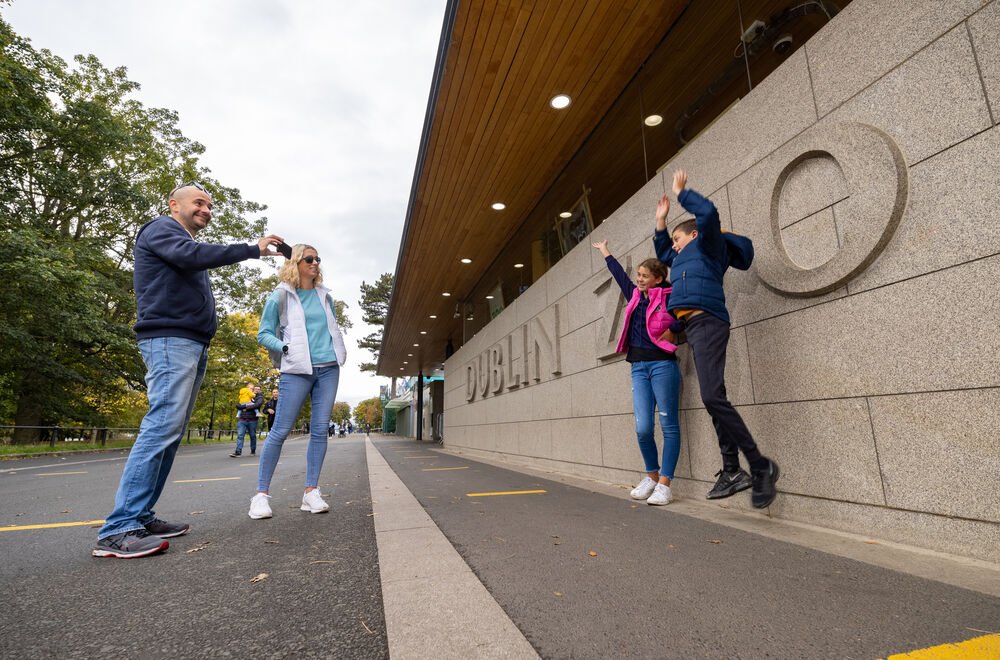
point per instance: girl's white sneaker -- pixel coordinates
(660, 496)
(644, 489)
(260, 506)
(313, 502)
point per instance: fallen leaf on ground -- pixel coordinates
(869, 542)
(274, 542)
(260, 577)
(715, 541)
(557, 594)
(592, 553)
(197, 548)
(670, 545)
(324, 561)
(196, 513)
(66, 511)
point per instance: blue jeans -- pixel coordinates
(293, 389)
(243, 427)
(175, 368)
(657, 384)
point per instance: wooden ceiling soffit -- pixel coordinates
(490, 135)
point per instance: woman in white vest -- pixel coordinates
(298, 325)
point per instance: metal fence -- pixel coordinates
(55, 436)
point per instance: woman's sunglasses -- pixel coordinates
(309, 259)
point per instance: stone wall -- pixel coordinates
(863, 353)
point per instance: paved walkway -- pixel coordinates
(426, 553)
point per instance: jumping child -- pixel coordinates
(656, 379)
(698, 259)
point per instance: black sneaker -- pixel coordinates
(235, 454)
(137, 543)
(729, 483)
(763, 485)
(166, 530)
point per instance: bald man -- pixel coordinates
(175, 322)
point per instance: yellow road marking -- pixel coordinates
(194, 481)
(435, 469)
(987, 646)
(56, 474)
(506, 492)
(18, 528)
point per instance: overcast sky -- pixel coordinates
(313, 107)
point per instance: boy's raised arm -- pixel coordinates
(661, 238)
(706, 216)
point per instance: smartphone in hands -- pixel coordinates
(285, 249)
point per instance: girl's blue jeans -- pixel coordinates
(321, 387)
(657, 385)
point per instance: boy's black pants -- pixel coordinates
(708, 336)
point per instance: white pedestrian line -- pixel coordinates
(422, 572)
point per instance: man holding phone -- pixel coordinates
(175, 322)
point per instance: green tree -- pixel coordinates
(374, 309)
(82, 166)
(369, 411)
(341, 412)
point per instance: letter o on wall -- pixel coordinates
(876, 177)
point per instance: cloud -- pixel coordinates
(312, 107)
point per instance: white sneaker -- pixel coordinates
(313, 502)
(644, 489)
(260, 506)
(660, 496)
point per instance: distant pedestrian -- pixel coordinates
(175, 322)
(247, 421)
(700, 253)
(313, 351)
(656, 379)
(270, 408)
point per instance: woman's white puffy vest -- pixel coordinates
(298, 360)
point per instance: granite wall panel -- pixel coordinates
(952, 215)
(869, 38)
(984, 27)
(577, 440)
(885, 341)
(940, 452)
(927, 104)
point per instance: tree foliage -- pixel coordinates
(82, 166)
(341, 412)
(369, 411)
(374, 310)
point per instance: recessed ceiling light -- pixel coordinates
(466, 261)
(560, 101)
(433, 316)
(489, 297)
(498, 206)
(416, 345)
(653, 120)
(518, 265)
(409, 355)
(445, 294)
(565, 214)
(423, 332)
(405, 362)
(401, 368)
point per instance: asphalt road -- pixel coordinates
(322, 596)
(587, 575)
(582, 574)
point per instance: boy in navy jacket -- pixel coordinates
(698, 256)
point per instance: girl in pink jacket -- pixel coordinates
(656, 378)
